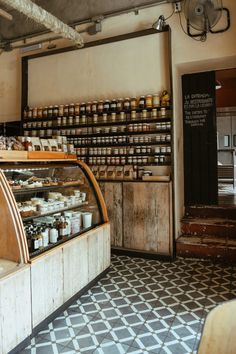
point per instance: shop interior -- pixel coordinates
(118, 229)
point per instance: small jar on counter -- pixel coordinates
(106, 106)
(127, 103)
(35, 112)
(100, 107)
(50, 110)
(77, 109)
(94, 107)
(156, 100)
(88, 107)
(66, 110)
(133, 103)
(83, 108)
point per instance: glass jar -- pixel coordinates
(122, 115)
(95, 118)
(120, 104)
(113, 116)
(45, 112)
(66, 110)
(88, 107)
(50, 109)
(156, 100)
(106, 106)
(114, 105)
(34, 112)
(127, 103)
(83, 108)
(71, 109)
(100, 107)
(104, 117)
(133, 103)
(61, 110)
(94, 107)
(77, 109)
(154, 113)
(70, 120)
(149, 101)
(133, 114)
(142, 102)
(55, 111)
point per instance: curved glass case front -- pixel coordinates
(57, 201)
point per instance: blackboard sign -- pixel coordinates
(200, 147)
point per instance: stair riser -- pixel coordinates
(214, 230)
(217, 254)
(211, 212)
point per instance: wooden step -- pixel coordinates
(218, 249)
(205, 211)
(209, 226)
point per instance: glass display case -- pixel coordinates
(55, 201)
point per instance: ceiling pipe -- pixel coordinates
(6, 15)
(41, 16)
(90, 19)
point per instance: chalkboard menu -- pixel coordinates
(200, 143)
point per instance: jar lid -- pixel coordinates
(95, 101)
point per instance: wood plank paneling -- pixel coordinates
(47, 285)
(15, 309)
(75, 266)
(147, 216)
(112, 193)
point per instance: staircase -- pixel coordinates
(208, 232)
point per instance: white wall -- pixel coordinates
(217, 52)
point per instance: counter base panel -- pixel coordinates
(56, 313)
(141, 254)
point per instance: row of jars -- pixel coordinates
(101, 106)
(123, 150)
(131, 160)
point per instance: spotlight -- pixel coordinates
(159, 24)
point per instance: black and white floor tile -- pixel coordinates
(140, 306)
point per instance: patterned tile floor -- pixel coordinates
(140, 306)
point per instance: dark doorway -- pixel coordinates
(200, 139)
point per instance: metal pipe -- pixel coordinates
(43, 17)
(90, 19)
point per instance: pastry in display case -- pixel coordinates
(56, 201)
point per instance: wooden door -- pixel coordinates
(200, 142)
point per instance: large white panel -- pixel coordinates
(15, 309)
(75, 261)
(126, 68)
(47, 285)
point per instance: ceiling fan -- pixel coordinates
(203, 15)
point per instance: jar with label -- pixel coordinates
(149, 101)
(55, 111)
(53, 234)
(168, 137)
(122, 160)
(163, 138)
(88, 108)
(66, 110)
(163, 112)
(143, 150)
(122, 115)
(30, 113)
(106, 106)
(71, 109)
(100, 107)
(70, 120)
(156, 159)
(127, 103)
(154, 113)
(120, 105)
(156, 100)
(168, 149)
(133, 115)
(142, 102)
(113, 105)
(34, 112)
(95, 118)
(163, 149)
(113, 116)
(83, 118)
(64, 121)
(133, 103)
(50, 109)
(161, 159)
(76, 109)
(59, 121)
(138, 150)
(40, 112)
(144, 113)
(45, 112)
(83, 108)
(76, 120)
(94, 107)
(61, 110)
